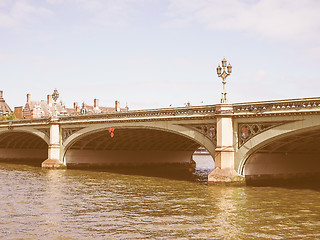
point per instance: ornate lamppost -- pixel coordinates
(55, 97)
(221, 71)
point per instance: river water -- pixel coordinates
(76, 204)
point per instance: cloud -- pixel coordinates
(106, 13)
(284, 20)
(19, 13)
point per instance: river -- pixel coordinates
(76, 204)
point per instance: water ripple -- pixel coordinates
(71, 204)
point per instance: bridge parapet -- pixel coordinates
(136, 115)
(165, 113)
(24, 122)
(290, 106)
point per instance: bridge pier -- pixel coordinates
(54, 156)
(224, 172)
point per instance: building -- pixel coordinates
(96, 108)
(39, 109)
(18, 112)
(5, 110)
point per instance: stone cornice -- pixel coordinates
(278, 108)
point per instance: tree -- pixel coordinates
(11, 116)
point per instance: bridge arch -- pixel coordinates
(41, 134)
(29, 146)
(191, 138)
(264, 144)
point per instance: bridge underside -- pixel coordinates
(17, 147)
(295, 157)
(131, 148)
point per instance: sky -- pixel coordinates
(158, 53)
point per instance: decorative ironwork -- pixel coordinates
(55, 97)
(210, 131)
(246, 131)
(67, 132)
(224, 73)
(46, 131)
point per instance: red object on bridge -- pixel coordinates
(111, 130)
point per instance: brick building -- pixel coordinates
(38, 109)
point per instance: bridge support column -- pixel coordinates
(224, 154)
(54, 148)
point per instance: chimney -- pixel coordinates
(96, 103)
(117, 106)
(49, 100)
(1, 94)
(28, 98)
(75, 106)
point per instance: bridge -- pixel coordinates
(268, 139)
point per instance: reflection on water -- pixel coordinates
(75, 204)
(226, 216)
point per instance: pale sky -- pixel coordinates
(153, 53)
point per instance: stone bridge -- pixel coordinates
(256, 139)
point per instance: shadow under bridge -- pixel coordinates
(22, 147)
(290, 157)
(131, 148)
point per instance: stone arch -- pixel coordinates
(300, 126)
(37, 132)
(181, 130)
(23, 145)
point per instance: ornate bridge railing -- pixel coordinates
(23, 122)
(280, 106)
(166, 113)
(163, 113)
